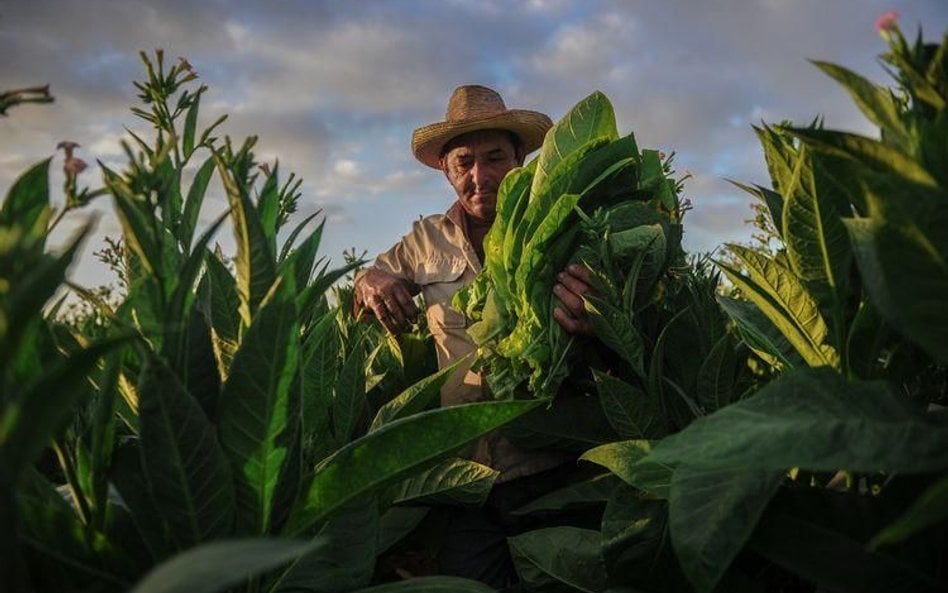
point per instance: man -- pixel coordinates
(479, 142)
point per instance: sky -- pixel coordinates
(333, 89)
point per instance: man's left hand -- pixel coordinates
(573, 283)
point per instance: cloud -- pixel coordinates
(333, 90)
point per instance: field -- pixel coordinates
(769, 420)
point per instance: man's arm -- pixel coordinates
(389, 297)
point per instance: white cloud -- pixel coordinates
(370, 67)
(346, 168)
(107, 145)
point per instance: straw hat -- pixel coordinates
(471, 108)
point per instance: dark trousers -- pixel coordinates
(475, 539)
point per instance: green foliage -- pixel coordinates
(190, 436)
(787, 436)
(210, 567)
(585, 199)
(547, 559)
(818, 460)
(855, 290)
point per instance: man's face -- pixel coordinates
(475, 164)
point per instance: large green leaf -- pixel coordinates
(636, 545)
(712, 513)
(190, 123)
(631, 411)
(544, 195)
(189, 475)
(349, 400)
(268, 207)
(815, 238)
(902, 253)
(614, 327)
(103, 437)
(877, 103)
(778, 152)
(780, 295)
(759, 333)
(303, 258)
(430, 585)
(454, 481)
(714, 384)
(260, 408)
(535, 253)
(28, 200)
(871, 153)
(816, 420)
(192, 205)
(391, 452)
(201, 373)
(416, 398)
(130, 480)
(591, 118)
(138, 230)
(343, 560)
(625, 459)
(513, 191)
(177, 316)
(255, 261)
(320, 363)
(224, 315)
(220, 565)
(559, 555)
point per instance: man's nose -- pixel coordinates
(479, 174)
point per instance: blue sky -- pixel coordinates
(334, 89)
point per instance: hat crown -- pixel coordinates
(474, 101)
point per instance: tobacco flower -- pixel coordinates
(887, 21)
(68, 146)
(74, 165)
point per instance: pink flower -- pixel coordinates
(887, 21)
(68, 146)
(74, 165)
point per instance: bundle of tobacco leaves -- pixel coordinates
(591, 197)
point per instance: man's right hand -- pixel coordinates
(389, 298)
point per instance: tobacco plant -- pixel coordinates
(833, 474)
(232, 410)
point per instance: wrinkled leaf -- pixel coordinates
(389, 453)
(219, 565)
(554, 555)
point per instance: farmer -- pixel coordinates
(479, 142)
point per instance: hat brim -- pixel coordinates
(531, 126)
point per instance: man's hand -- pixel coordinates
(389, 298)
(573, 283)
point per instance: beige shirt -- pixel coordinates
(439, 259)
